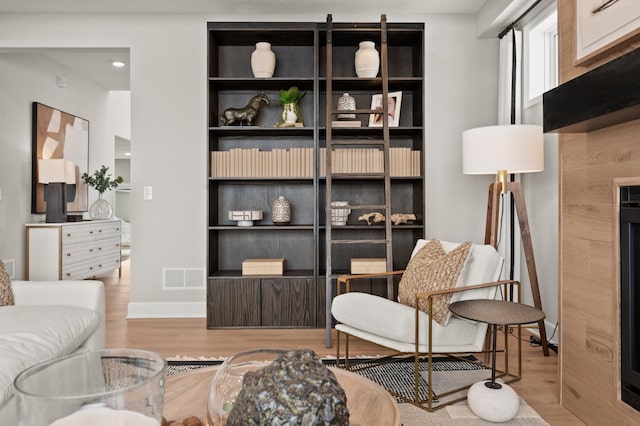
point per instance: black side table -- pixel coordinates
(495, 406)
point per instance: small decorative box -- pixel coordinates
(263, 267)
(368, 265)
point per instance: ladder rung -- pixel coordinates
(356, 111)
(379, 241)
(347, 142)
(369, 207)
(357, 175)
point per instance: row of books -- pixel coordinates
(298, 162)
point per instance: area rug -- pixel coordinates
(448, 372)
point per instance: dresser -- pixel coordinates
(72, 250)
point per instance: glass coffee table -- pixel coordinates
(490, 400)
(368, 403)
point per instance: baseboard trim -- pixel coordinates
(550, 328)
(167, 310)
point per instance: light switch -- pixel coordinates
(148, 192)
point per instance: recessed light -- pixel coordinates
(128, 154)
(118, 64)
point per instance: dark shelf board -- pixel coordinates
(262, 180)
(376, 132)
(349, 227)
(235, 228)
(276, 33)
(243, 131)
(352, 84)
(603, 97)
(236, 273)
(262, 84)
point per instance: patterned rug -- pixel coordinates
(448, 373)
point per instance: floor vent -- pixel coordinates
(183, 278)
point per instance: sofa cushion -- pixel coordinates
(33, 334)
(431, 268)
(6, 295)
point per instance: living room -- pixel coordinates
(168, 121)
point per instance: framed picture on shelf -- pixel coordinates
(395, 100)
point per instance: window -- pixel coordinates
(540, 56)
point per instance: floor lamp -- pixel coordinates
(500, 150)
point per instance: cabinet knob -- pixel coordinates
(68, 235)
(68, 254)
(68, 274)
(91, 232)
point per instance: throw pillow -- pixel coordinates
(433, 269)
(6, 295)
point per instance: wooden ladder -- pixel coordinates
(337, 143)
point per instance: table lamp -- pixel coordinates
(56, 174)
(500, 150)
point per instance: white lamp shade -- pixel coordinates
(58, 170)
(516, 148)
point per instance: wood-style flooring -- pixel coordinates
(190, 338)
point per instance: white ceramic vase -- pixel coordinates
(263, 60)
(367, 60)
(281, 211)
(289, 115)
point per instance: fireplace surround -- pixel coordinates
(630, 295)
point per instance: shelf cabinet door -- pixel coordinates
(233, 303)
(288, 302)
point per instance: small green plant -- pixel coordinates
(101, 181)
(291, 96)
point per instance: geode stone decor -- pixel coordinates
(296, 389)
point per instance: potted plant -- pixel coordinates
(101, 181)
(290, 111)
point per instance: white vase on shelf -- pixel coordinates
(367, 60)
(263, 60)
(281, 211)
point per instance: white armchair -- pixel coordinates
(411, 332)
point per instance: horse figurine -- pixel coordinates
(246, 114)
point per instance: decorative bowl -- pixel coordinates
(245, 217)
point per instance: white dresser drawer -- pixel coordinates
(72, 250)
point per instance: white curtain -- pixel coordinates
(509, 112)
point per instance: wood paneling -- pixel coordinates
(588, 289)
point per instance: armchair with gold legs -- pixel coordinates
(420, 331)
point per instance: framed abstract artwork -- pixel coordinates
(59, 135)
(605, 25)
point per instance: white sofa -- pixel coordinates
(49, 319)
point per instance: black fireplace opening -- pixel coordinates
(630, 295)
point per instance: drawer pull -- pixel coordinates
(68, 254)
(68, 235)
(91, 232)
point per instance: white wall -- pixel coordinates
(169, 138)
(28, 77)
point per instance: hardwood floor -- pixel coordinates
(190, 338)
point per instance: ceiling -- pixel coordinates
(235, 6)
(95, 63)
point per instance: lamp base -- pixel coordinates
(55, 197)
(491, 404)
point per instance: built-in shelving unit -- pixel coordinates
(298, 297)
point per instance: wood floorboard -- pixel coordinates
(189, 337)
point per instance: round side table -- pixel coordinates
(489, 400)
